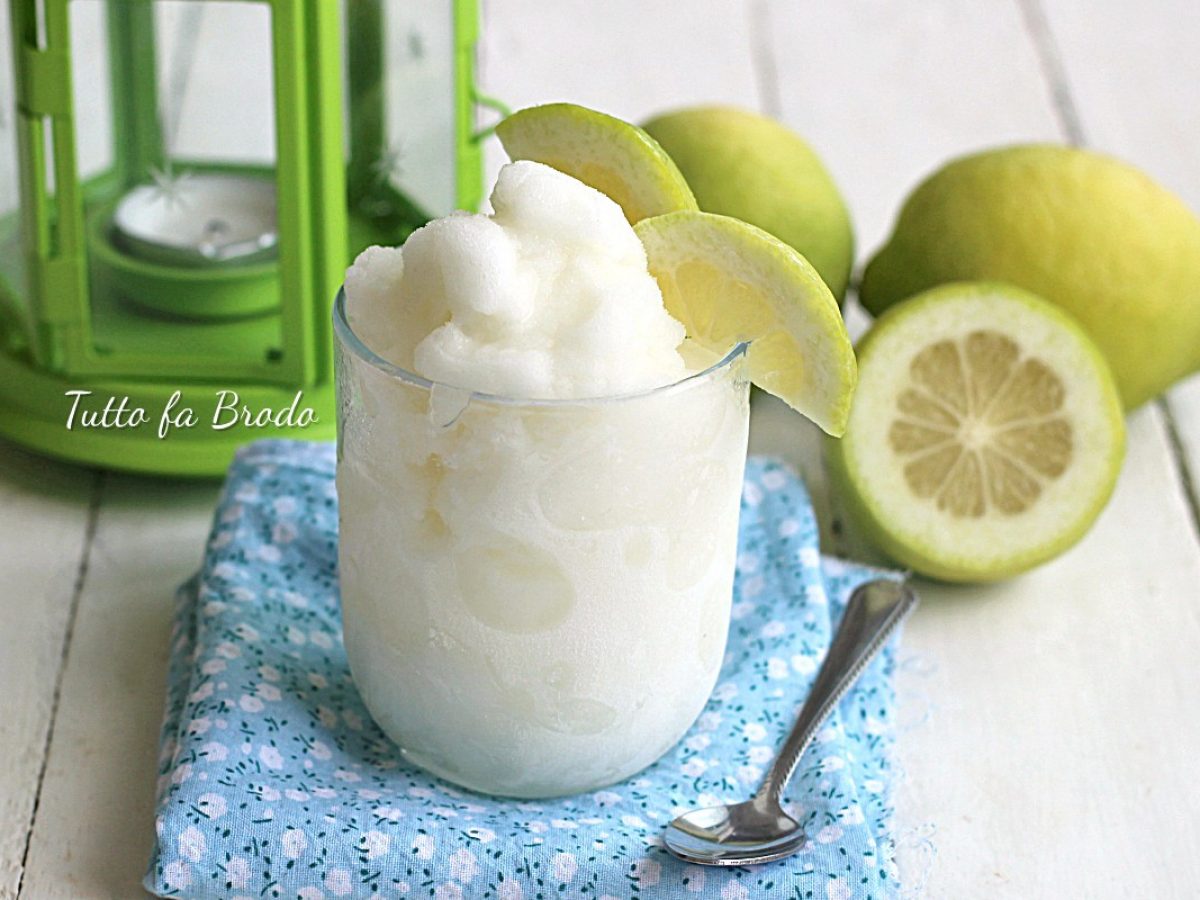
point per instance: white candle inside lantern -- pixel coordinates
(200, 218)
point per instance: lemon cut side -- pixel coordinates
(986, 435)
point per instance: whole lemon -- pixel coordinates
(1085, 231)
(748, 166)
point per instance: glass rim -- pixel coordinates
(350, 339)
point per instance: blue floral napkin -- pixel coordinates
(274, 781)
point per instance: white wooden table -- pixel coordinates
(1053, 731)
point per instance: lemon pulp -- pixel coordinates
(980, 426)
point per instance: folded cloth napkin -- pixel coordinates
(274, 781)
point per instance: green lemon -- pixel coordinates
(1089, 233)
(986, 433)
(748, 166)
(616, 158)
(730, 282)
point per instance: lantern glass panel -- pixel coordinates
(419, 107)
(91, 81)
(215, 81)
(13, 288)
(176, 154)
(402, 103)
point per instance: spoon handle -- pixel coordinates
(873, 612)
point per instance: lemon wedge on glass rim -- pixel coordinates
(986, 434)
(729, 282)
(616, 158)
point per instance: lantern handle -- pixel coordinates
(487, 101)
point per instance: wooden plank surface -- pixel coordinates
(1057, 759)
(888, 92)
(95, 822)
(45, 509)
(628, 58)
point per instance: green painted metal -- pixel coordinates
(133, 63)
(83, 320)
(468, 149)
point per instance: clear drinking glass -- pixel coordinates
(535, 593)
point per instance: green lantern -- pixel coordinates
(182, 184)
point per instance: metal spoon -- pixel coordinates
(758, 830)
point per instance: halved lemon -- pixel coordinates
(729, 282)
(986, 434)
(616, 158)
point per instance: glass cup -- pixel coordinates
(535, 593)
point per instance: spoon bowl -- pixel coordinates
(742, 834)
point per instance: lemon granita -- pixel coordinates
(535, 584)
(547, 298)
